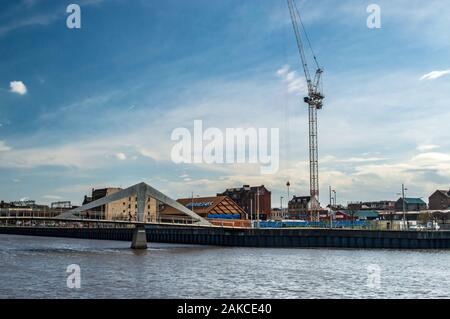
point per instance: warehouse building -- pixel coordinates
(219, 210)
(411, 204)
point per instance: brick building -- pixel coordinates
(439, 200)
(252, 199)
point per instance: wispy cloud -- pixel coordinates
(38, 19)
(52, 197)
(427, 147)
(22, 18)
(121, 156)
(4, 147)
(295, 83)
(334, 159)
(435, 75)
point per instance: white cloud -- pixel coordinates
(296, 84)
(146, 152)
(18, 87)
(4, 147)
(413, 171)
(334, 159)
(55, 197)
(84, 154)
(435, 75)
(426, 147)
(121, 156)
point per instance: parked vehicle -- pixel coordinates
(433, 225)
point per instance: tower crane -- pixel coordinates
(314, 100)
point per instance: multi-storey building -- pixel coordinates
(123, 209)
(254, 200)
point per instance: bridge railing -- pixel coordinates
(37, 218)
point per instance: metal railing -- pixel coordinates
(95, 219)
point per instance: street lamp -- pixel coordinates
(405, 221)
(334, 192)
(257, 206)
(288, 185)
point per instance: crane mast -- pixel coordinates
(314, 100)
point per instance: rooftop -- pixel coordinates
(412, 200)
(445, 192)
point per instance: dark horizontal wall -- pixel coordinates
(276, 238)
(285, 238)
(125, 234)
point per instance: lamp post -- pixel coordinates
(329, 190)
(257, 207)
(334, 197)
(405, 221)
(288, 185)
(251, 212)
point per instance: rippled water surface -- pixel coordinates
(35, 267)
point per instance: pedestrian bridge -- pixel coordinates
(142, 192)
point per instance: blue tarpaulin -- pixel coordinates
(300, 223)
(224, 216)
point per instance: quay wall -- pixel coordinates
(269, 238)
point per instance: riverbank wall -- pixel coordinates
(269, 238)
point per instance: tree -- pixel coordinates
(424, 217)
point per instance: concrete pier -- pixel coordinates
(139, 240)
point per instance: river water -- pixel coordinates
(35, 267)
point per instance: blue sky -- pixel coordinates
(101, 101)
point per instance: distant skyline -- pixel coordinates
(95, 107)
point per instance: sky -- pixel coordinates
(96, 106)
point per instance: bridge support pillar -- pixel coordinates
(139, 238)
